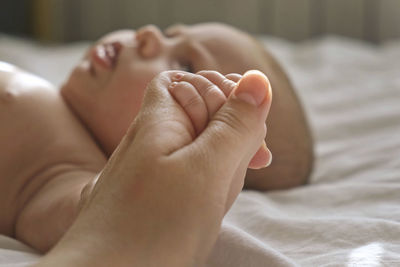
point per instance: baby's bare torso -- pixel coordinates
(42, 145)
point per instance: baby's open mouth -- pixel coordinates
(106, 55)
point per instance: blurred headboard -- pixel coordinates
(70, 20)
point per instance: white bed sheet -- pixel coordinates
(349, 214)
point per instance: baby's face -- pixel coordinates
(106, 88)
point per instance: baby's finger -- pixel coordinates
(226, 85)
(234, 77)
(213, 97)
(192, 103)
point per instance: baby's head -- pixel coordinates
(106, 88)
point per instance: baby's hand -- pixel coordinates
(201, 95)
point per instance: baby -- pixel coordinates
(54, 145)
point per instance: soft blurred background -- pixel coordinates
(313, 33)
(295, 20)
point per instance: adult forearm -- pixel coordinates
(169, 250)
(158, 233)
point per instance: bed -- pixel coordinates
(349, 214)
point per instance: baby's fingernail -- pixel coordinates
(177, 76)
(172, 85)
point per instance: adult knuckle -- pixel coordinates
(160, 80)
(164, 74)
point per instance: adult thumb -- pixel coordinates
(238, 129)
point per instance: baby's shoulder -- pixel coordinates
(38, 132)
(36, 122)
(7, 71)
(16, 83)
(7, 68)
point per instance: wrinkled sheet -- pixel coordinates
(349, 214)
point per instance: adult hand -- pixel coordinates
(162, 196)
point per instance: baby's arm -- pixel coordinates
(53, 209)
(70, 160)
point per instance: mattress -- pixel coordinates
(349, 213)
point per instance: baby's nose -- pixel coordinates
(150, 41)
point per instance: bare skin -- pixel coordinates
(108, 96)
(47, 156)
(189, 204)
(71, 135)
